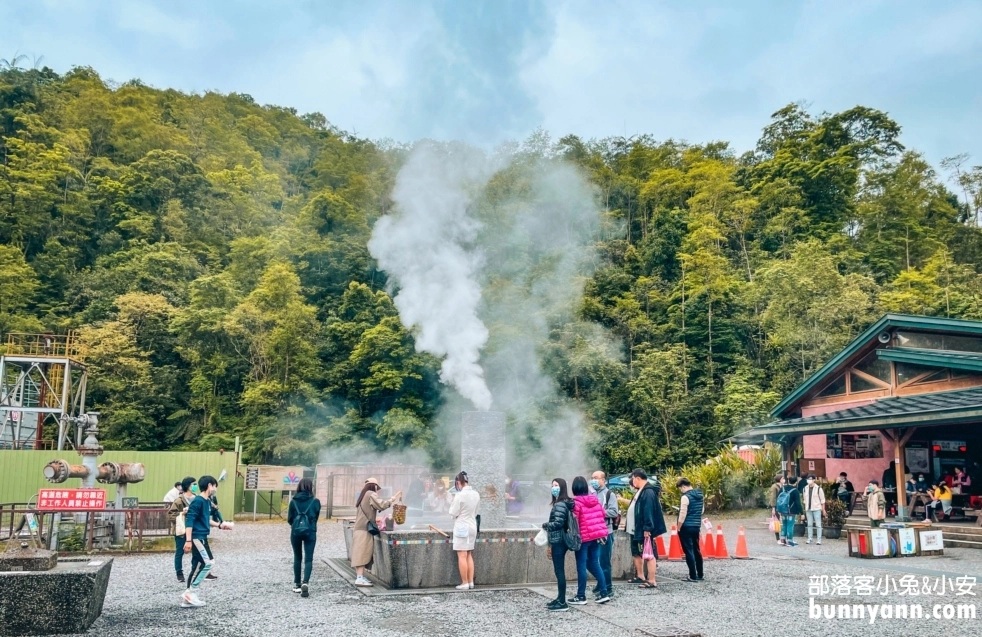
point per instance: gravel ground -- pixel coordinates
(763, 596)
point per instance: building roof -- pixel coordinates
(933, 357)
(869, 337)
(920, 410)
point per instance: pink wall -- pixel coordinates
(860, 471)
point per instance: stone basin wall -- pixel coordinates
(65, 599)
(424, 559)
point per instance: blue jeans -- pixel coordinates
(787, 527)
(559, 568)
(588, 559)
(606, 551)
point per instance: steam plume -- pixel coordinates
(426, 247)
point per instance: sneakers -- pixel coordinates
(576, 601)
(558, 606)
(819, 543)
(362, 581)
(463, 587)
(211, 576)
(180, 576)
(808, 541)
(190, 598)
(792, 544)
(472, 584)
(296, 589)
(304, 590)
(602, 598)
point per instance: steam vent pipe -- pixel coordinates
(482, 456)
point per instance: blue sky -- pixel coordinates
(489, 71)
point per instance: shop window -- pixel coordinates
(836, 388)
(854, 446)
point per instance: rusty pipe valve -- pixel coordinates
(58, 471)
(121, 472)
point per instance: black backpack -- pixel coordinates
(301, 521)
(572, 533)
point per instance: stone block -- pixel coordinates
(65, 599)
(27, 558)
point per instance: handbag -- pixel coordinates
(541, 538)
(179, 526)
(775, 525)
(647, 553)
(372, 528)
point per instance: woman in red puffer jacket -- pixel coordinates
(593, 530)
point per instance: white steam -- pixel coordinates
(426, 247)
(487, 259)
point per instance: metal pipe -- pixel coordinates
(58, 471)
(121, 472)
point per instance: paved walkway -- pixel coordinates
(771, 594)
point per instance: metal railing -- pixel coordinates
(141, 525)
(44, 345)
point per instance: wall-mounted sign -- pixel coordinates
(272, 478)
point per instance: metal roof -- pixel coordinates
(885, 324)
(932, 357)
(920, 410)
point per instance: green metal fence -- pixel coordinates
(21, 477)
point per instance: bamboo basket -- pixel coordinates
(399, 513)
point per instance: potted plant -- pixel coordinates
(835, 517)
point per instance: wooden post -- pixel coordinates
(900, 438)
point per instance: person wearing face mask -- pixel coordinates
(845, 492)
(814, 508)
(562, 508)
(612, 514)
(876, 504)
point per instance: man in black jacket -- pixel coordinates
(645, 521)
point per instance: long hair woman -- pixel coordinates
(464, 511)
(302, 517)
(362, 542)
(562, 508)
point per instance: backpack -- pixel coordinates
(616, 520)
(301, 522)
(572, 533)
(783, 504)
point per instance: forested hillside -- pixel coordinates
(212, 254)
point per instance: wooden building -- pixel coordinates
(908, 390)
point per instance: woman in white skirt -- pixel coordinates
(464, 511)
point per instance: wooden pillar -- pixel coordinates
(900, 438)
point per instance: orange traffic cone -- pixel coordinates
(708, 548)
(721, 552)
(660, 548)
(674, 547)
(741, 548)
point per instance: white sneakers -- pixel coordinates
(465, 586)
(362, 581)
(190, 599)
